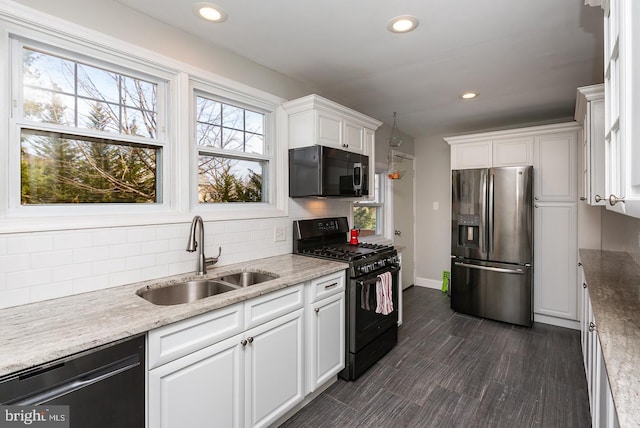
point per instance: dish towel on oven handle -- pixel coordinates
(384, 293)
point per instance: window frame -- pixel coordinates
(97, 48)
(380, 203)
(274, 178)
(15, 209)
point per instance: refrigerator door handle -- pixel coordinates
(492, 269)
(483, 216)
(490, 232)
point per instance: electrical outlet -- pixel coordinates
(279, 233)
(436, 206)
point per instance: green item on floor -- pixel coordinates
(445, 281)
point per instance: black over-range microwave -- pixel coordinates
(327, 172)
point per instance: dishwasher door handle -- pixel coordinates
(492, 269)
(80, 381)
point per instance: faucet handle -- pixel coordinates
(213, 260)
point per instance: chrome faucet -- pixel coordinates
(193, 245)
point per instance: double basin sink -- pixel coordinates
(191, 291)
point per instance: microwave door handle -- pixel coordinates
(357, 178)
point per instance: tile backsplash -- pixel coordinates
(45, 265)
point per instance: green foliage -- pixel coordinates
(364, 218)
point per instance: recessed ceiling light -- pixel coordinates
(209, 12)
(468, 95)
(402, 24)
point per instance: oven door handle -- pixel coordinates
(373, 278)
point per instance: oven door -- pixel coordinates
(365, 324)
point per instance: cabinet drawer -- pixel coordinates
(181, 338)
(326, 286)
(270, 306)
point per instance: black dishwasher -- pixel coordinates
(103, 387)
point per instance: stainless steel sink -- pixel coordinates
(184, 292)
(245, 279)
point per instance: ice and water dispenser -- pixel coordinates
(468, 230)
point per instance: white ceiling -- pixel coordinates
(525, 57)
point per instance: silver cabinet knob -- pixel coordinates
(397, 232)
(243, 342)
(317, 310)
(598, 198)
(592, 327)
(536, 198)
(584, 285)
(582, 198)
(613, 199)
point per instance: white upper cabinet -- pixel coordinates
(513, 151)
(590, 113)
(622, 105)
(555, 164)
(470, 155)
(314, 120)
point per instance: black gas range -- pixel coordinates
(369, 333)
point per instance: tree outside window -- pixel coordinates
(368, 215)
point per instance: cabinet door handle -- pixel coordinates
(598, 198)
(536, 205)
(317, 310)
(243, 342)
(592, 327)
(584, 285)
(250, 339)
(536, 198)
(582, 198)
(326, 287)
(579, 263)
(613, 199)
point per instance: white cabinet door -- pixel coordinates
(555, 167)
(274, 369)
(555, 259)
(471, 155)
(590, 113)
(513, 152)
(202, 389)
(353, 137)
(329, 130)
(325, 340)
(622, 105)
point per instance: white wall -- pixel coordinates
(433, 235)
(35, 266)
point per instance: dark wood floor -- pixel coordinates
(453, 370)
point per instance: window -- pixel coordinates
(88, 132)
(233, 159)
(368, 216)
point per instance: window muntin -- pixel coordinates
(87, 135)
(368, 216)
(232, 157)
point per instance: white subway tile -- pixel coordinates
(51, 258)
(173, 231)
(154, 247)
(141, 234)
(124, 250)
(93, 254)
(51, 290)
(96, 282)
(14, 263)
(175, 244)
(73, 271)
(3, 281)
(3, 246)
(125, 277)
(139, 262)
(29, 243)
(109, 236)
(29, 277)
(154, 272)
(14, 297)
(66, 240)
(103, 267)
(170, 257)
(182, 267)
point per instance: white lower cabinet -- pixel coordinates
(248, 364)
(603, 411)
(555, 255)
(325, 329)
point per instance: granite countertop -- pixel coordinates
(40, 332)
(613, 280)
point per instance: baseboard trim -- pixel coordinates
(559, 322)
(429, 283)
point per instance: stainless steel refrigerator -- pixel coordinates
(492, 243)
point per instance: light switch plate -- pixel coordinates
(436, 206)
(279, 233)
